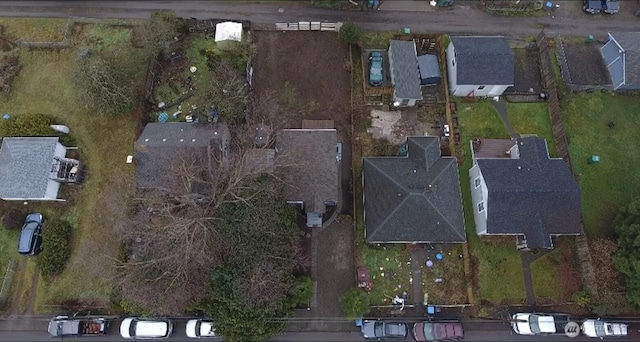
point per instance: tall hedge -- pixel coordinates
(55, 247)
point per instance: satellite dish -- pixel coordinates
(60, 128)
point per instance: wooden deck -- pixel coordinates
(494, 148)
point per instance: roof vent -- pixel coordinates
(146, 139)
(414, 171)
(399, 195)
(519, 167)
(193, 140)
(181, 140)
(164, 139)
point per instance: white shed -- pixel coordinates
(228, 31)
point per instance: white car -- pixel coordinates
(200, 328)
(602, 329)
(145, 329)
(539, 323)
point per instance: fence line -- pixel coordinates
(308, 26)
(562, 147)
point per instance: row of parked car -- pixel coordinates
(533, 324)
(134, 328)
(421, 331)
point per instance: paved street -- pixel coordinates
(463, 18)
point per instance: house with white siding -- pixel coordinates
(479, 66)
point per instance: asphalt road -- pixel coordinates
(463, 18)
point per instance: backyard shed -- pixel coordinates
(429, 70)
(228, 31)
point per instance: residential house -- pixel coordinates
(306, 160)
(415, 198)
(164, 150)
(621, 54)
(517, 189)
(479, 66)
(32, 168)
(403, 62)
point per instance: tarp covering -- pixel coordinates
(228, 30)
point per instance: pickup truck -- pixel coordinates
(65, 326)
(540, 323)
(603, 329)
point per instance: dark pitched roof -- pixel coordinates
(405, 69)
(534, 195)
(162, 146)
(483, 61)
(429, 66)
(415, 198)
(306, 161)
(25, 165)
(630, 43)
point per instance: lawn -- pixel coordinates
(496, 258)
(44, 85)
(614, 181)
(554, 274)
(377, 40)
(532, 118)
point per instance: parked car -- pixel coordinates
(438, 331)
(376, 63)
(601, 6)
(145, 329)
(31, 235)
(384, 330)
(201, 328)
(539, 323)
(603, 329)
(65, 326)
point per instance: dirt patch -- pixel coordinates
(527, 71)
(583, 63)
(9, 68)
(395, 126)
(308, 72)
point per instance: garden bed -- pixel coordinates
(582, 62)
(527, 77)
(444, 281)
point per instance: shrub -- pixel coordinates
(56, 249)
(302, 292)
(350, 33)
(33, 125)
(355, 303)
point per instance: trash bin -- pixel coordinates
(593, 159)
(589, 38)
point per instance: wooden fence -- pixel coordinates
(562, 147)
(308, 26)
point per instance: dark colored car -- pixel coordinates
(376, 63)
(601, 6)
(30, 236)
(438, 331)
(384, 330)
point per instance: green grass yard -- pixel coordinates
(44, 85)
(614, 181)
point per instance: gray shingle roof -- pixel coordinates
(535, 196)
(429, 67)
(483, 61)
(162, 146)
(25, 165)
(415, 198)
(630, 43)
(306, 161)
(405, 69)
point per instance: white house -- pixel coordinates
(32, 168)
(621, 55)
(518, 190)
(479, 66)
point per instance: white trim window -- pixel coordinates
(477, 182)
(481, 207)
